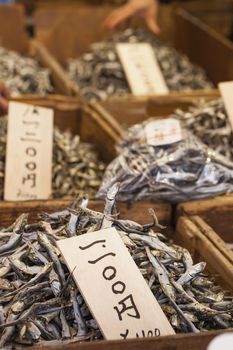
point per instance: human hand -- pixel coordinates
(4, 95)
(148, 9)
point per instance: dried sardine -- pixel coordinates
(23, 75)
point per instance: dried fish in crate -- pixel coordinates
(175, 172)
(23, 75)
(40, 303)
(99, 73)
(76, 166)
(209, 121)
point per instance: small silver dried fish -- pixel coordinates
(76, 165)
(209, 122)
(99, 73)
(47, 307)
(23, 75)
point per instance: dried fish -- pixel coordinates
(76, 166)
(99, 73)
(47, 307)
(181, 171)
(23, 75)
(209, 122)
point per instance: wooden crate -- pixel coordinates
(14, 37)
(217, 213)
(138, 211)
(204, 46)
(84, 28)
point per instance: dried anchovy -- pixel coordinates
(23, 75)
(99, 73)
(39, 301)
(176, 172)
(209, 121)
(76, 166)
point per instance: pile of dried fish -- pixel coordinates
(209, 121)
(40, 302)
(99, 73)
(23, 75)
(76, 166)
(175, 172)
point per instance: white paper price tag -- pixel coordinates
(226, 90)
(29, 153)
(142, 69)
(163, 132)
(222, 342)
(113, 287)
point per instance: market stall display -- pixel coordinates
(42, 303)
(99, 73)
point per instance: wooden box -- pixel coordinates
(217, 213)
(138, 211)
(70, 39)
(14, 37)
(70, 114)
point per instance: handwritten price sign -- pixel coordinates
(163, 132)
(142, 69)
(113, 287)
(29, 153)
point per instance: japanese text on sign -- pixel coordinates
(29, 152)
(163, 132)
(142, 69)
(226, 90)
(113, 287)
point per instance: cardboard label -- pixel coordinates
(226, 90)
(163, 132)
(28, 173)
(113, 287)
(142, 69)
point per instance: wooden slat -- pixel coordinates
(204, 46)
(95, 129)
(209, 233)
(62, 83)
(197, 341)
(132, 211)
(216, 212)
(97, 107)
(195, 235)
(165, 105)
(129, 111)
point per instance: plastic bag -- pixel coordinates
(173, 172)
